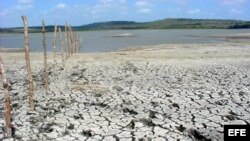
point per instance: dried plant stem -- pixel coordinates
(46, 79)
(7, 101)
(61, 45)
(29, 72)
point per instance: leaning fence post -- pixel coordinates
(46, 79)
(26, 49)
(61, 45)
(7, 101)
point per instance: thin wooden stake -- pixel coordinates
(75, 43)
(29, 72)
(7, 101)
(66, 42)
(54, 52)
(69, 41)
(61, 46)
(46, 78)
(80, 44)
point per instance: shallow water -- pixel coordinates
(102, 41)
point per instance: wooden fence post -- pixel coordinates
(45, 58)
(80, 44)
(61, 45)
(75, 43)
(7, 101)
(66, 42)
(69, 41)
(54, 51)
(29, 72)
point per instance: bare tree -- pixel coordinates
(46, 78)
(7, 101)
(29, 72)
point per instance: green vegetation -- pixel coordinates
(159, 24)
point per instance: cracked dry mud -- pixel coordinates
(133, 100)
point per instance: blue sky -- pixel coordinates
(79, 12)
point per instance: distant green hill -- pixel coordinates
(198, 23)
(169, 23)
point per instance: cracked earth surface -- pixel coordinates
(124, 98)
(127, 101)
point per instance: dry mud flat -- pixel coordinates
(124, 96)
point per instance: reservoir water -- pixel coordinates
(104, 41)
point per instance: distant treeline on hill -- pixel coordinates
(159, 24)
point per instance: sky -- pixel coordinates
(80, 12)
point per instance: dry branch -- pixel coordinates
(7, 101)
(29, 72)
(46, 79)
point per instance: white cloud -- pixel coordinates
(123, 1)
(144, 10)
(3, 13)
(22, 7)
(174, 10)
(233, 2)
(109, 7)
(236, 11)
(143, 6)
(194, 11)
(181, 1)
(25, 1)
(106, 1)
(61, 6)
